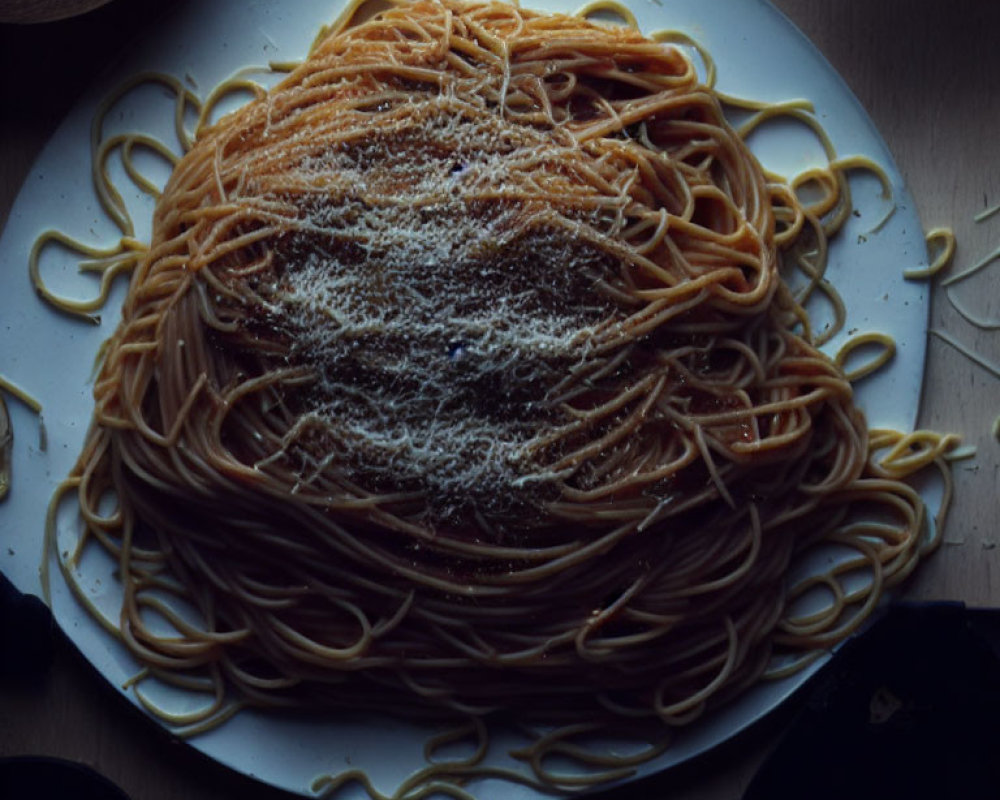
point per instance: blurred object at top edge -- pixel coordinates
(31, 11)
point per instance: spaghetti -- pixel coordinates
(460, 377)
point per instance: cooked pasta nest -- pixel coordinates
(462, 376)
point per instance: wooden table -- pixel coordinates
(928, 73)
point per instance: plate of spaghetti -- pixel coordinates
(454, 398)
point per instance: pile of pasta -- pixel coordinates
(462, 376)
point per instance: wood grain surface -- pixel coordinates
(929, 75)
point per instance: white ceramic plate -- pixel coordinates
(759, 54)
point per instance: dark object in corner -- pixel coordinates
(27, 635)
(910, 709)
(42, 778)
